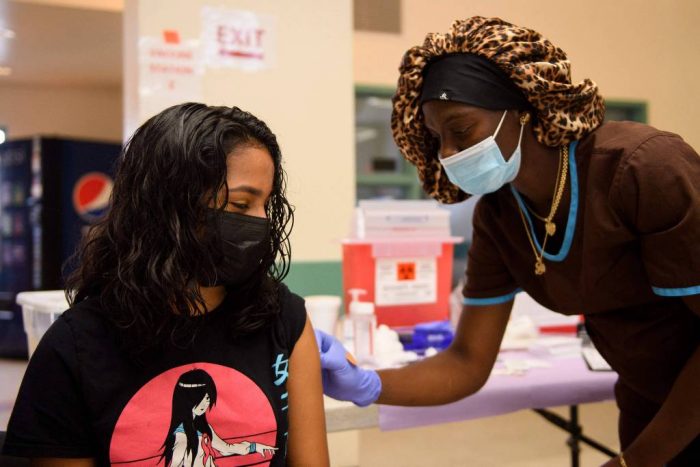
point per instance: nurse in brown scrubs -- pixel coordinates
(587, 217)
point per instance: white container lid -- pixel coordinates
(44, 301)
(329, 300)
(361, 308)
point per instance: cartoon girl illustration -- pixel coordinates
(190, 440)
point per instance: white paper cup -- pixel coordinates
(323, 311)
(39, 310)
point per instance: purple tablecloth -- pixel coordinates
(567, 382)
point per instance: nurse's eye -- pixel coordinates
(461, 130)
(467, 138)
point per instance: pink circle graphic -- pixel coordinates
(237, 412)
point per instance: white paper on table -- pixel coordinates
(525, 305)
(556, 346)
(518, 366)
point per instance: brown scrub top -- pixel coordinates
(626, 251)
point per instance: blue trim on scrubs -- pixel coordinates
(573, 210)
(491, 300)
(680, 292)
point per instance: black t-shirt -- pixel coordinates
(219, 397)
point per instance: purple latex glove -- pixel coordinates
(343, 380)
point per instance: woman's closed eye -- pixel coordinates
(461, 130)
(467, 136)
(239, 205)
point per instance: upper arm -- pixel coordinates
(307, 443)
(488, 278)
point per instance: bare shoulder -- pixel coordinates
(307, 423)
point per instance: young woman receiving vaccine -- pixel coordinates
(182, 346)
(587, 217)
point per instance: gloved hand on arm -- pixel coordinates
(341, 379)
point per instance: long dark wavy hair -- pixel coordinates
(188, 393)
(144, 258)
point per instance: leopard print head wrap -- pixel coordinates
(564, 111)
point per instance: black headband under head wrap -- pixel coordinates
(471, 79)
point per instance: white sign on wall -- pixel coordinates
(405, 281)
(238, 39)
(169, 72)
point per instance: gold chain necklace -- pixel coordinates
(556, 188)
(550, 227)
(559, 187)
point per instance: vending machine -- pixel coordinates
(51, 190)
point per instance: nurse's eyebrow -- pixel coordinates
(246, 189)
(458, 116)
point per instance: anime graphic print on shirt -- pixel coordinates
(199, 415)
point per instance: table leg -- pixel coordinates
(572, 427)
(574, 439)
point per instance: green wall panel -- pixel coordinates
(315, 278)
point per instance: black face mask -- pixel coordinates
(244, 242)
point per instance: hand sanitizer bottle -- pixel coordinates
(364, 324)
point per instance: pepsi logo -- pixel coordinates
(91, 195)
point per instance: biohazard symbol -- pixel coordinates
(406, 271)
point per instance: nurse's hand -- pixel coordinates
(341, 379)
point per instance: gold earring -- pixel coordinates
(524, 118)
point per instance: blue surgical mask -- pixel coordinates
(481, 168)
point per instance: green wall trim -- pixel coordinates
(315, 278)
(374, 90)
(635, 110)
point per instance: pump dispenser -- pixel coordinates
(364, 324)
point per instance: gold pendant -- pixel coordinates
(540, 268)
(551, 228)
